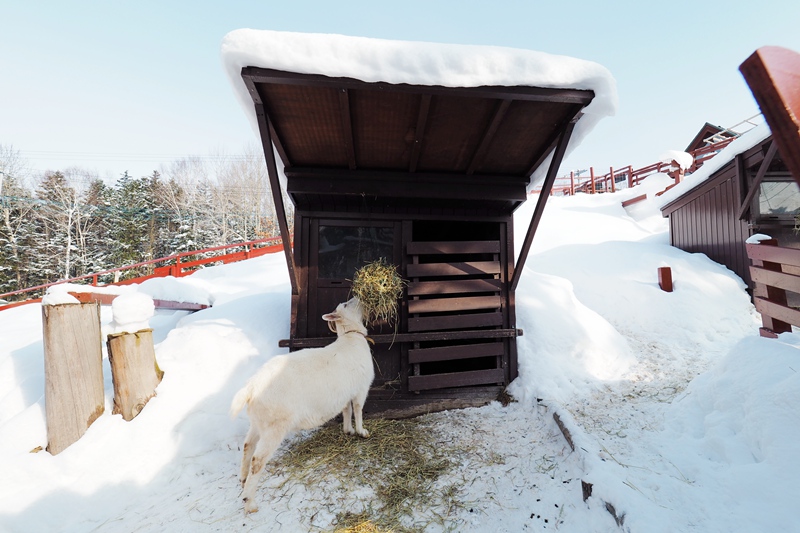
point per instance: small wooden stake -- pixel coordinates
(665, 279)
(134, 371)
(73, 371)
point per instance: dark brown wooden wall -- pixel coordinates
(709, 224)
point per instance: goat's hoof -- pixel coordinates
(364, 434)
(249, 506)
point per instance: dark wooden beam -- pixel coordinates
(347, 128)
(488, 136)
(390, 338)
(277, 196)
(555, 163)
(773, 75)
(762, 171)
(455, 190)
(419, 130)
(519, 92)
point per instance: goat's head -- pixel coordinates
(348, 316)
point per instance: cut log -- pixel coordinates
(73, 370)
(134, 371)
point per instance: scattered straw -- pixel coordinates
(400, 466)
(378, 286)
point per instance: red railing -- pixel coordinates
(173, 265)
(594, 183)
(772, 281)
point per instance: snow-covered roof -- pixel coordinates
(692, 181)
(416, 63)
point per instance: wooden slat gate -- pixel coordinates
(455, 287)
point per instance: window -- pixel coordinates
(778, 198)
(344, 249)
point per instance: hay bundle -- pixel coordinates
(378, 286)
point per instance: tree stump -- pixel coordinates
(73, 370)
(134, 371)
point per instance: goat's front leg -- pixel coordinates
(347, 419)
(358, 405)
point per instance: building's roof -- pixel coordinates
(489, 111)
(746, 141)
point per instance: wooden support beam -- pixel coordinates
(347, 128)
(419, 130)
(762, 171)
(547, 185)
(488, 135)
(277, 195)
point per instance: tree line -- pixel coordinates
(67, 223)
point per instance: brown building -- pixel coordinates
(745, 189)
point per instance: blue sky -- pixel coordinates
(115, 86)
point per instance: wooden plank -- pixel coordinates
(440, 305)
(449, 353)
(455, 379)
(107, 299)
(453, 247)
(774, 254)
(634, 200)
(455, 322)
(469, 268)
(347, 128)
(459, 286)
(788, 282)
(773, 75)
(73, 371)
(312, 342)
(777, 311)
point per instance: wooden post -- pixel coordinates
(665, 279)
(630, 176)
(613, 181)
(572, 184)
(591, 174)
(134, 371)
(73, 371)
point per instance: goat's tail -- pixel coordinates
(241, 399)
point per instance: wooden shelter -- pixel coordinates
(749, 191)
(426, 177)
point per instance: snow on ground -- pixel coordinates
(683, 418)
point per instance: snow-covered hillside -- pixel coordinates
(683, 418)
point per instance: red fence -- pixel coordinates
(774, 271)
(173, 265)
(594, 183)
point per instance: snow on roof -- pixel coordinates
(746, 141)
(417, 63)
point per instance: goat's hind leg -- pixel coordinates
(270, 440)
(249, 448)
(347, 418)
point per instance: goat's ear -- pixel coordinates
(331, 317)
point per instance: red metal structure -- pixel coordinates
(173, 265)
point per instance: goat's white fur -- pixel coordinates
(303, 390)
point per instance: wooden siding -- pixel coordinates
(709, 224)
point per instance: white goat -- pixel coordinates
(303, 390)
